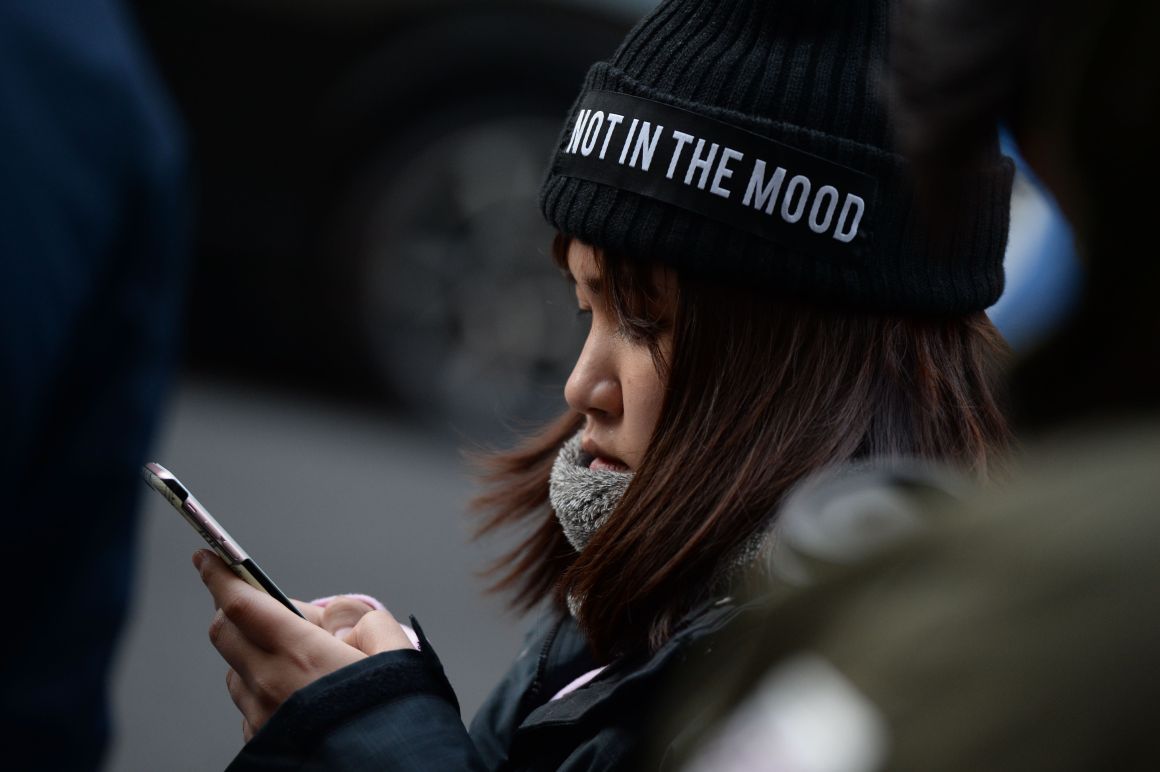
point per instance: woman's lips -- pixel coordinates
(600, 464)
(601, 460)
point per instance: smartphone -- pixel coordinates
(162, 480)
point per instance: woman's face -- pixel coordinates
(615, 382)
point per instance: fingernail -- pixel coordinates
(198, 559)
(342, 632)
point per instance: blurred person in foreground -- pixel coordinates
(91, 234)
(1079, 88)
(1019, 629)
(762, 303)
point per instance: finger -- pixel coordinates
(236, 688)
(236, 649)
(312, 613)
(198, 557)
(377, 632)
(244, 700)
(238, 692)
(342, 614)
(261, 619)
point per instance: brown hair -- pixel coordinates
(760, 393)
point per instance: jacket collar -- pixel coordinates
(628, 675)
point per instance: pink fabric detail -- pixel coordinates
(411, 634)
(579, 682)
(374, 604)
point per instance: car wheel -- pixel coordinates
(463, 312)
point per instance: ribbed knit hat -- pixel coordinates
(748, 140)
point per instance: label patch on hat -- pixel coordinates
(718, 170)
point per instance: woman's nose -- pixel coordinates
(593, 387)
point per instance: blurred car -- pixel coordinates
(367, 175)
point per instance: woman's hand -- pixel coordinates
(338, 615)
(273, 653)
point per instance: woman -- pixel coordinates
(764, 301)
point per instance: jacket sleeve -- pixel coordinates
(392, 711)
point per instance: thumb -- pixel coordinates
(341, 614)
(377, 632)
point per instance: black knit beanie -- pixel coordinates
(748, 140)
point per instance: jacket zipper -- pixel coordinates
(533, 691)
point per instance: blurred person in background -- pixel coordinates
(763, 303)
(1072, 83)
(91, 238)
(1020, 631)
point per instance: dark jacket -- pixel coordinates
(396, 711)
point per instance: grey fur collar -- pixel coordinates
(581, 497)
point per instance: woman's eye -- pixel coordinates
(640, 332)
